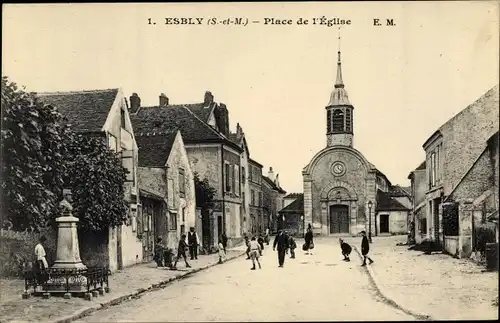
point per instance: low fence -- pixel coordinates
(67, 281)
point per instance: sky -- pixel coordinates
(404, 81)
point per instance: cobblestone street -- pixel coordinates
(310, 287)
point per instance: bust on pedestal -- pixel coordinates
(68, 250)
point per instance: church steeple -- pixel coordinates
(339, 112)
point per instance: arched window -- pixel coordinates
(348, 121)
(329, 121)
(338, 121)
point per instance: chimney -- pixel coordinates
(277, 180)
(163, 100)
(209, 98)
(239, 131)
(135, 103)
(270, 174)
(223, 119)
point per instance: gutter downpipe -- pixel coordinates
(223, 190)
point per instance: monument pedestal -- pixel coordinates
(68, 250)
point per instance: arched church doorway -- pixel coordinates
(339, 219)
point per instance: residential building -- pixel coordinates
(256, 220)
(272, 200)
(418, 216)
(291, 217)
(104, 113)
(340, 185)
(205, 131)
(166, 186)
(454, 153)
(288, 199)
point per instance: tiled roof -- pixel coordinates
(84, 110)
(200, 110)
(255, 162)
(293, 195)
(155, 149)
(386, 203)
(166, 119)
(296, 206)
(398, 191)
(421, 166)
(273, 185)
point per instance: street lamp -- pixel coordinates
(370, 204)
(303, 224)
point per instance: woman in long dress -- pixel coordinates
(309, 243)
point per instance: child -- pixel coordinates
(292, 245)
(222, 253)
(261, 242)
(247, 243)
(346, 249)
(255, 252)
(159, 250)
(181, 252)
(365, 248)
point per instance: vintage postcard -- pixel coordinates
(250, 161)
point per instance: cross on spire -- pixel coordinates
(339, 82)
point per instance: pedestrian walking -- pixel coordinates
(281, 242)
(365, 248)
(159, 250)
(309, 243)
(193, 242)
(293, 245)
(41, 264)
(181, 252)
(346, 249)
(260, 240)
(222, 253)
(223, 240)
(255, 252)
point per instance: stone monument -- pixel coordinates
(68, 250)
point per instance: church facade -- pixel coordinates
(340, 184)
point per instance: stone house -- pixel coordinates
(454, 153)
(418, 215)
(256, 220)
(166, 187)
(105, 113)
(288, 199)
(291, 217)
(392, 211)
(239, 139)
(205, 131)
(272, 200)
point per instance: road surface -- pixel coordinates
(311, 287)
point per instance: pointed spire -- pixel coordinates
(339, 82)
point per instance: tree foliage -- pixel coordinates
(33, 158)
(41, 156)
(96, 177)
(204, 192)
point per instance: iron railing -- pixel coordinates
(72, 281)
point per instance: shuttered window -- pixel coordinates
(237, 179)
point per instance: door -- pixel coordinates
(339, 219)
(205, 228)
(384, 223)
(219, 226)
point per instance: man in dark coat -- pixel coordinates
(223, 240)
(193, 243)
(346, 249)
(281, 242)
(365, 248)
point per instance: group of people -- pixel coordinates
(163, 256)
(365, 249)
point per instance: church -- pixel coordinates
(342, 189)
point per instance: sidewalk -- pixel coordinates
(437, 285)
(125, 284)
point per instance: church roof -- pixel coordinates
(339, 94)
(386, 203)
(296, 206)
